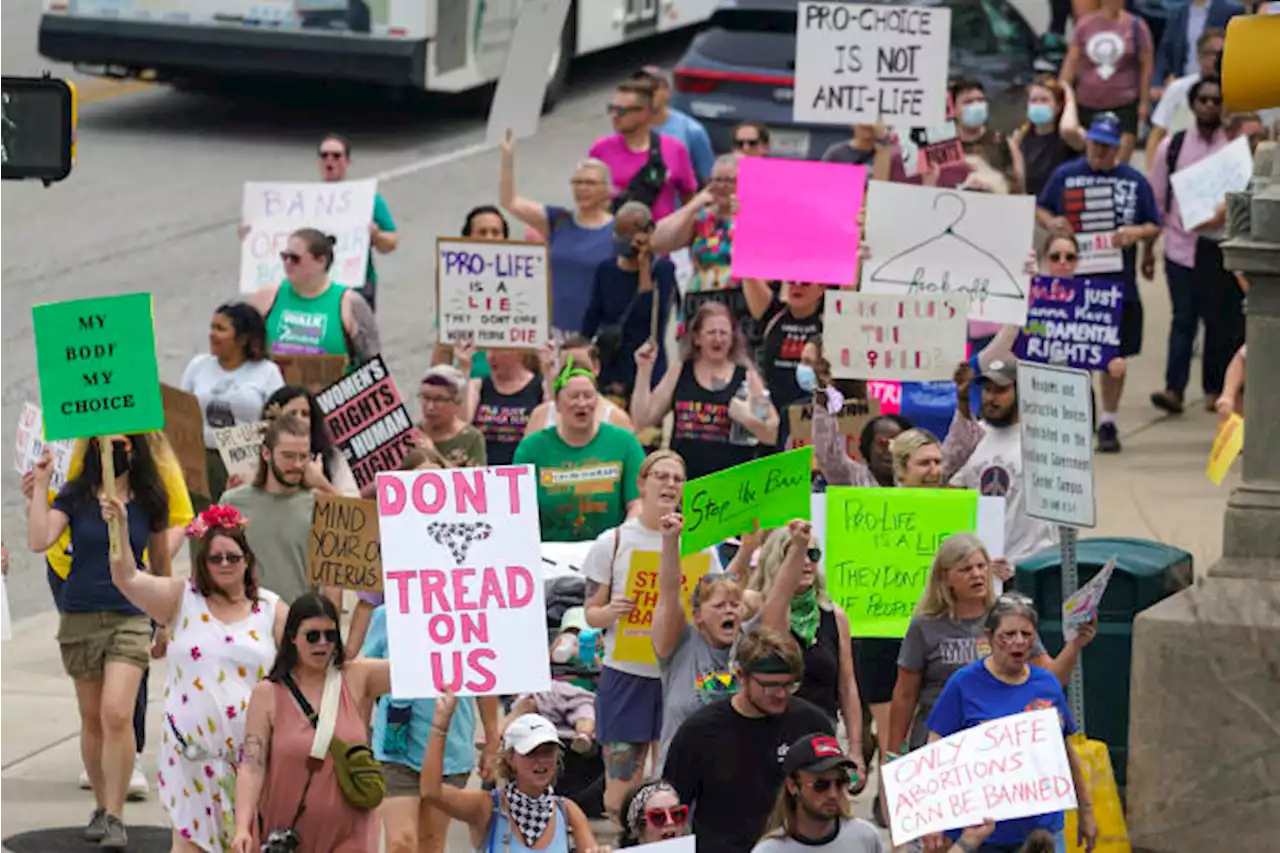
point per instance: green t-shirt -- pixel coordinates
(381, 218)
(279, 528)
(583, 491)
(464, 450)
(298, 325)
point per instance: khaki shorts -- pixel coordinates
(89, 641)
(402, 780)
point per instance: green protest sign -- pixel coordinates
(97, 364)
(772, 491)
(879, 547)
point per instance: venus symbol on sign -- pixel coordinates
(457, 536)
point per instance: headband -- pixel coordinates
(643, 794)
(216, 517)
(774, 664)
(568, 373)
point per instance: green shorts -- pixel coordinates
(89, 641)
(402, 780)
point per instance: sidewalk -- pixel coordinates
(1156, 489)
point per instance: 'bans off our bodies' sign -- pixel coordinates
(462, 575)
(493, 294)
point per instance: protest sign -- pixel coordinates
(880, 543)
(887, 394)
(1091, 211)
(1055, 413)
(1226, 447)
(1005, 768)
(887, 336)
(30, 446)
(936, 242)
(854, 414)
(474, 622)
(343, 549)
(184, 428)
(240, 447)
(364, 416)
(97, 364)
(991, 510)
(522, 89)
(313, 372)
(494, 294)
(685, 844)
(772, 491)
(797, 221)
(1073, 322)
(1204, 185)
(634, 642)
(273, 211)
(860, 64)
(1082, 607)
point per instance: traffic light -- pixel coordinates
(39, 123)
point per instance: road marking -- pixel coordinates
(433, 161)
(96, 91)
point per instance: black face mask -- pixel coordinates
(120, 457)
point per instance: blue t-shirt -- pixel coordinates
(88, 588)
(1072, 192)
(406, 742)
(575, 253)
(690, 131)
(973, 695)
(611, 294)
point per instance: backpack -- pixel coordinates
(1170, 162)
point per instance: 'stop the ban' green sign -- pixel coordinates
(97, 365)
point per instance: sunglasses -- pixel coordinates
(615, 110)
(330, 636)
(330, 155)
(1059, 257)
(662, 818)
(290, 257)
(227, 559)
(821, 786)
(745, 143)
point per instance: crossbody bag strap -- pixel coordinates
(328, 714)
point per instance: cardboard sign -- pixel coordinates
(850, 421)
(907, 338)
(343, 549)
(1082, 607)
(313, 372)
(634, 643)
(97, 365)
(772, 491)
(1204, 185)
(522, 88)
(1073, 322)
(880, 544)
(863, 64)
(30, 446)
(364, 416)
(1055, 412)
(184, 427)
(797, 221)
(273, 211)
(463, 580)
(493, 294)
(1005, 768)
(1226, 447)
(240, 447)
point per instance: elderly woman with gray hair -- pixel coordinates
(630, 301)
(580, 237)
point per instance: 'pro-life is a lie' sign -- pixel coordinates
(493, 294)
(462, 575)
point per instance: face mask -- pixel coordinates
(120, 458)
(1039, 114)
(974, 115)
(806, 378)
(623, 248)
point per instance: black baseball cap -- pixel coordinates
(815, 753)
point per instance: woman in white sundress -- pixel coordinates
(225, 632)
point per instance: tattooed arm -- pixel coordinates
(254, 755)
(361, 328)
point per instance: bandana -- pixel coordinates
(568, 373)
(635, 813)
(804, 615)
(531, 814)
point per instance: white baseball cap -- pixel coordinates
(528, 732)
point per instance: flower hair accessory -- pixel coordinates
(216, 517)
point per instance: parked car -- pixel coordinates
(741, 67)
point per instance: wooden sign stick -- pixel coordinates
(109, 489)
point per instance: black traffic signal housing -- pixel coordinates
(39, 127)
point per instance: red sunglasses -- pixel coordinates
(662, 818)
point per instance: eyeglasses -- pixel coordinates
(290, 258)
(585, 182)
(1059, 257)
(791, 685)
(226, 559)
(745, 143)
(662, 818)
(330, 636)
(821, 786)
(295, 456)
(615, 110)
(330, 155)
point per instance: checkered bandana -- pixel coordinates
(531, 814)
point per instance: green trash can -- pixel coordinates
(1146, 572)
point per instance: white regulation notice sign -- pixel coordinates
(1056, 416)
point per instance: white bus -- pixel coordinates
(435, 45)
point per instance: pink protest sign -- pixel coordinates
(798, 221)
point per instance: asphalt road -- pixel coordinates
(155, 197)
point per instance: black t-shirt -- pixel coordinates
(1041, 154)
(728, 768)
(784, 340)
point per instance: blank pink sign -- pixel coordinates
(797, 221)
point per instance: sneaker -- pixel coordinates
(115, 838)
(1108, 438)
(138, 787)
(83, 781)
(1167, 401)
(97, 828)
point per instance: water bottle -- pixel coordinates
(589, 647)
(738, 434)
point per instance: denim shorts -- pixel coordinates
(628, 708)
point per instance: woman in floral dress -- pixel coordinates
(225, 631)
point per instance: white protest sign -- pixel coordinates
(494, 294)
(463, 581)
(1055, 412)
(30, 446)
(886, 336)
(1082, 607)
(1005, 768)
(686, 844)
(240, 446)
(1098, 253)
(939, 242)
(341, 209)
(991, 510)
(531, 56)
(863, 64)
(1204, 185)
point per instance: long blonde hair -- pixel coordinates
(938, 601)
(781, 822)
(772, 553)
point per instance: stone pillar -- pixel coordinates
(1204, 732)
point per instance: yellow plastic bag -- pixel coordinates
(1113, 833)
